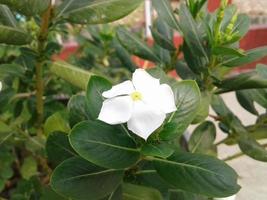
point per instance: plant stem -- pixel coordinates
(42, 39)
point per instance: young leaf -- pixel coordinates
(72, 74)
(94, 99)
(165, 12)
(56, 122)
(191, 33)
(136, 46)
(104, 145)
(76, 178)
(96, 11)
(28, 168)
(199, 174)
(187, 98)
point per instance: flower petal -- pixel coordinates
(144, 82)
(162, 98)
(145, 119)
(1, 85)
(117, 110)
(123, 88)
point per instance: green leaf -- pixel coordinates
(27, 7)
(187, 98)
(165, 12)
(246, 101)
(10, 33)
(252, 148)
(204, 108)
(104, 145)
(251, 56)
(58, 148)
(79, 179)
(199, 174)
(78, 111)
(95, 11)
(162, 150)
(227, 51)
(49, 194)
(203, 138)
(96, 86)
(124, 56)
(136, 192)
(11, 70)
(71, 74)
(242, 25)
(192, 35)
(28, 168)
(115, 195)
(249, 80)
(56, 122)
(135, 46)
(182, 195)
(262, 70)
(184, 71)
(162, 41)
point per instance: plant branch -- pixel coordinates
(42, 40)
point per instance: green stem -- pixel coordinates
(42, 40)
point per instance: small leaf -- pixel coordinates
(104, 145)
(134, 192)
(96, 11)
(199, 174)
(252, 148)
(246, 101)
(72, 74)
(79, 179)
(136, 46)
(56, 122)
(94, 99)
(187, 98)
(28, 168)
(202, 139)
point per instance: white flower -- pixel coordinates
(143, 103)
(1, 86)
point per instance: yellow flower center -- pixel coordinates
(136, 96)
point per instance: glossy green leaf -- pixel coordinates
(78, 111)
(95, 11)
(58, 148)
(162, 150)
(242, 25)
(165, 12)
(71, 74)
(104, 145)
(135, 46)
(27, 7)
(56, 122)
(96, 86)
(203, 109)
(252, 148)
(251, 56)
(203, 138)
(191, 33)
(10, 33)
(79, 179)
(227, 51)
(187, 98)
(134, 192)
(199, 174)
(49, 194)
(184, 71)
